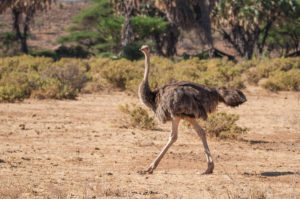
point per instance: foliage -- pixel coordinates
(246, 24)
(25, 9)
(96, 28)
(26, 76)
(122, 74)
(285, 36)
(72, 51)
(144, 26)
(131, 51)
(273, 69)
(127, 75)
(8, 41)
(281, 80)
(63, 51)
(222, 125)
(25, 4)
(216, 72)
(137, 117)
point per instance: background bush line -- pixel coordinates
(26, 76)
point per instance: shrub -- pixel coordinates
(222, 125)
(266, 68)
(8, 43)
(137, 117)
(127, 75)
(131, 51)
(122, 74)
(25, 76)
(281, 80)
(216, 72)
(73, 51)
(64, 79)
(15, 87)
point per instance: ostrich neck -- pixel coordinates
(145, 94)
(147, 63)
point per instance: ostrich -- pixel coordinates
(184, 100)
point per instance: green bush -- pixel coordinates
(131, 51)
(73, 51)
(8, 43)
(137, 117)
(145, 26)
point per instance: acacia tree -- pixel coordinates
(96, 28)
(246, 24)
(23, 12)
(133, 9)
(185, 14)
(190, 15)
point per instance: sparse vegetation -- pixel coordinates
(222, 125)
(137, 117)
(281, 80)
(25, 76)
(281, 73)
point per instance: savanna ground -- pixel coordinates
(76, 149)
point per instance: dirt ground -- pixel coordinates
(74, 149)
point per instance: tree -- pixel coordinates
(185, 14)
(165, 34)
(246, 24)
(190, 15)
(96, 28)
(285, 34)
(23, 9)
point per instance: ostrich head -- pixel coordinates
(145, 49)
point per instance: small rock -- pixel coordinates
(109, 173)
(22, 126)
(27, 159)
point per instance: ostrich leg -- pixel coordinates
(201, 133)
(172, 139)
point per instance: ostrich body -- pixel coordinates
(184, 100)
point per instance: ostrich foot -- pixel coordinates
(209, 169)
(148, 171)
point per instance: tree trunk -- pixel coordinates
(190, 16)
(127, 32)
(167, 41)
(22, 37)
(205, 25)
(171, 40)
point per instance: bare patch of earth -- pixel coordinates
(74, 149)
